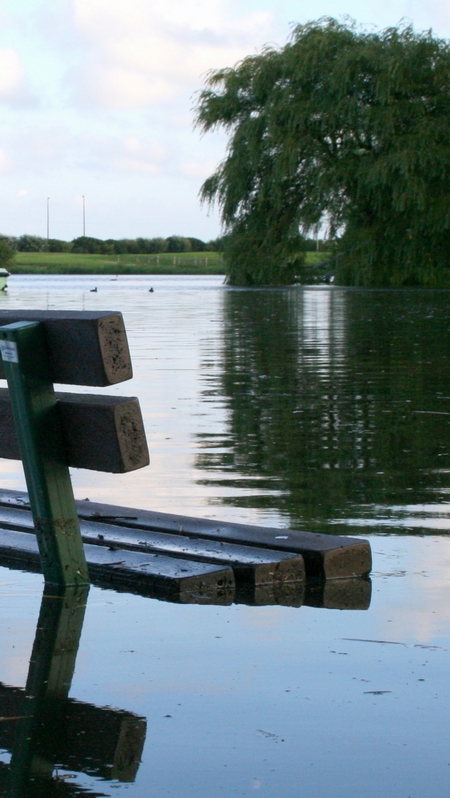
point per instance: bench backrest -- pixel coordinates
(51, 432)
(103, 433)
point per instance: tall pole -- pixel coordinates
(48, 218)
(84, 217)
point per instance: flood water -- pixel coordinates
(325, 409)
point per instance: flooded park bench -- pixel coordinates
(156, 554)
(76, 543)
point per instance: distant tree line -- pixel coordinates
(111, 246)
(9, 245)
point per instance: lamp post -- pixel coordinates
(84, 216)
(48, 218)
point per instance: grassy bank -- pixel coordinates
(165, 263)
(70, 263)
(314, 258)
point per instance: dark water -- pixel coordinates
(319, 408)
(338, 406)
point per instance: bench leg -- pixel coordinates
(34, 405)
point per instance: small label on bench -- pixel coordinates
(9, 351)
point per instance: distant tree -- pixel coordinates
(7, 253)
(118, 246)
(216, 245)
(12, 241)
(28, 243)
(56, 245)
(130, 245)
(197, 245)
(158, 245)
(91, 246)
(341, 127)
(139, 246)
(143, 245)
(86, 245)
(178, 244)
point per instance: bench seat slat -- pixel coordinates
(252, 566)
(144, 572)
(326, 556)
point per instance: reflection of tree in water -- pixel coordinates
(335, 398)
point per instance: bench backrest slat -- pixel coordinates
(83, 347)
(102, 433)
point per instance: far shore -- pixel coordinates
(164, 263)
(73, 263)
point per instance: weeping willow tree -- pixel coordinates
(344, 127)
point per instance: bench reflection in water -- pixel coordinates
(51, 736)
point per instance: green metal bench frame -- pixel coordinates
(30, 371)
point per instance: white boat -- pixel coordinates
(4, 274)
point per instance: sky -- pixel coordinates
(96, 100)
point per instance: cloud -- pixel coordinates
(5, 163)
(199, 169)
(60, 148)
(138, 54)
(13, 89)
(11, 71)
(136, 155)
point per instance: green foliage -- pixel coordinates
(258, 253)
(157, 245)
(197, 245)
(92, 246)
(341, 127)
(86, 245)
(216, 245)
(31, 244)
(178, 244)
(7, 253)
(57, 245)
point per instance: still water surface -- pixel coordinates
(320, 408)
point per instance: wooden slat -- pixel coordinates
(119, 566)
(214, 594)
(326, 556)
(102, 433)
(344, 594)
(253, 567)
(84, 347)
